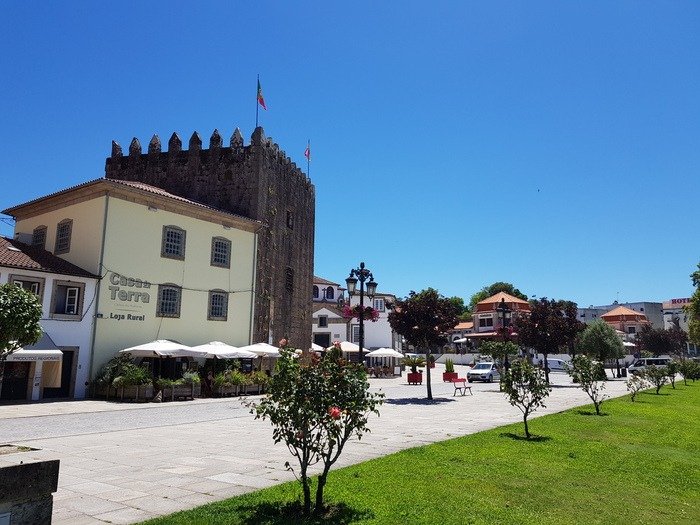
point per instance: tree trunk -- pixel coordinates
(527, 431)
(307, 491)
(319, 507)
(427, 374)
(546, 367)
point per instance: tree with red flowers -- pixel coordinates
(424, 318)
(315, 406)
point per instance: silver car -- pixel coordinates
(484, 372)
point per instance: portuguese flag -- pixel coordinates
(261, 99)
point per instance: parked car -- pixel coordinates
(644, 362)
(557, 365)
(484, 372)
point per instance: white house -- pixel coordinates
(328, 322)
(378, 334)
(67, 294)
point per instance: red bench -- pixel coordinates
(461, 386)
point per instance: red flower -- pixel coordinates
(334, 412)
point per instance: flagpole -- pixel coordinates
(308, 159)
(257, 104)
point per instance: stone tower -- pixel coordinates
(257, 181)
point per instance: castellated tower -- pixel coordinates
(257, 181)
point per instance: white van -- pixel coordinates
(644, 362)
(557, 365)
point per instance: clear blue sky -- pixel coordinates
(554, 145)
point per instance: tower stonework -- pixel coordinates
(257, 181)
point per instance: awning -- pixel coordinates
(35, 355)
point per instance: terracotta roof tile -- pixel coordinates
(320, 280)
(622, 310)
(15, 254)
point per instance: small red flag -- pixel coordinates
(261, 99)
(307, 152)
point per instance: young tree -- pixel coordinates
(424, 318)
(599, 340)
(657, 376)
(672, 369)
(571, 326)
(20, 311)
(499, 349)
(586, 372)
(526, 388)
(687, 370)
(315, 406)
(636, 384)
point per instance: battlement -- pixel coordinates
(216, 148)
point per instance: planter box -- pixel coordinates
(449, 376)
(182, 392)
(136, 392)
(227, 390)
(415, 378)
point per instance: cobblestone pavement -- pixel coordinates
(123, 463)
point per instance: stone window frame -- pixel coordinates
(329, 293)
(323, 321)
(178, 305)
(64, 231)
(210, 315)
(180, 256)
(221, 241)
(14, 277)
(315, 293)
(290, 218)
(78, 316)
(40, 232)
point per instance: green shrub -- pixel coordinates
(191, 378)
(449, 365)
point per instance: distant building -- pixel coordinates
(328, 322)
(652, 310)
(487, 322)
(625, 320)
(378, 334)
(676, 316)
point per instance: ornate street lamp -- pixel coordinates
(504, 314)
(361, 274)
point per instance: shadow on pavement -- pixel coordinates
(418, 401)
(290, 513)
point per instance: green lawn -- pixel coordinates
(640, 463)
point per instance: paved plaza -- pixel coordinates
(126, 462)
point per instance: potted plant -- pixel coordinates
(223, 385)
(415, 377)
(431, 361)
(188, 386)
(134, 382)
(449, 374)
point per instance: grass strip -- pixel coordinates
(638, 463)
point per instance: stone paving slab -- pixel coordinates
(197, 452)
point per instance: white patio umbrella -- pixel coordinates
(627, 343)
(347, 346)
(161, 348)
(317, 348)
(384, 352)
(219, 350)
(262, 350)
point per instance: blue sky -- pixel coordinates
(553, 145)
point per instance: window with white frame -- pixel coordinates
(330, 293)
(322, 321)
(63, 235)
(355, 333)
(173, 245)
(39, 237)
(485, 322)
(33, 284)
(218, 305)
(315, 292)
(67, 299)
(379, 304)
(221, 252)
(169, 299)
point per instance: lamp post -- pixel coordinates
(361, 274)
(504, 315)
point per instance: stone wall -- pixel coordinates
(26, 492)
(257, 181)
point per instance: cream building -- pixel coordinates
(169, 267)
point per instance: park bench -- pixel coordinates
(461, 386)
